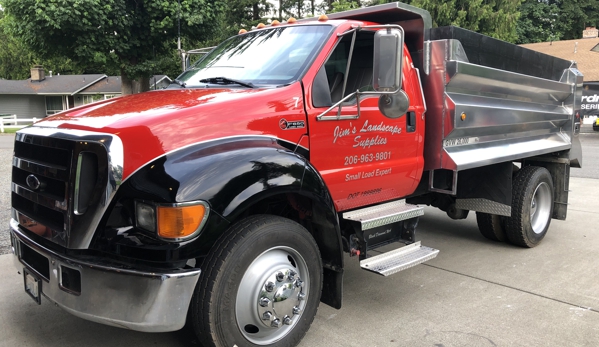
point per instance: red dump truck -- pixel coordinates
(230, 199)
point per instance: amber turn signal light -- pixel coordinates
(180, 222)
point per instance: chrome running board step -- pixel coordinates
(384, 214)
(399, 259)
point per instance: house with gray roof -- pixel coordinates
(43, 95)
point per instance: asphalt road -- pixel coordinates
(475, 293)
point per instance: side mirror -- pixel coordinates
(388, 57)
(394, 105)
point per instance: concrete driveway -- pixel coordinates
(475, 293)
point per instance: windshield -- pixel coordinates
(266, 57)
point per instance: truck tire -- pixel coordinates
(491, 226)
(260, 285)
(532, 206)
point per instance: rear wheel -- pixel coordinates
(532, 206)
(491, 226)
(260, 286)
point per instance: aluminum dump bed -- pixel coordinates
(520, 104)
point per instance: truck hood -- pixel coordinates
(154, 123)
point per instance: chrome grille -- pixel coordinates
(44, 209)
(54, 170)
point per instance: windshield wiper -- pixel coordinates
(226, 80)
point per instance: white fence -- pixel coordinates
(12, 122)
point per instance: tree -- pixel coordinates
(16, 59)
(539, 22)
(495, 18)
(575, 15)
(293, 8)
(243, 14)
(127, 35)
(343, 5)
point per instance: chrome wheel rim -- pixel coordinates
(272, 295)
(540, 208)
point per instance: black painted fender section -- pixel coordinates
(232, 175)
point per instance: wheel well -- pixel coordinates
(277, 205)
(560, 173)
(312, 216)
(302, 210)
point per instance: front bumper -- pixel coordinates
(137, 300)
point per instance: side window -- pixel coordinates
(360, 71)
(335, 68)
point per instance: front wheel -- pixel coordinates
(532, 206)
(260, 285)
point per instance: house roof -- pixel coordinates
(580, 50)
(109, 85)
(112, 85)
(55, 85)
(70, 85)
(154, 80)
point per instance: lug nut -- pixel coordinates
(280, 276)
(267, 315)
(296, 309)
(276, 323)
(301, 296)
(264, 302)
(287, 320)
(299, 283)
(292, 274)
(269, 286)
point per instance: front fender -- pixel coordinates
(230, 174)
(235, 174)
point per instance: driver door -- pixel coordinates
(364, 157)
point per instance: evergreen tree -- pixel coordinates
(575, 15)
(243, 14)
(539, 22)
(495, 18)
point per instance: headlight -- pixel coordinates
(145, 216)
(172, 222)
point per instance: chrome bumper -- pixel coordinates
(142, 301)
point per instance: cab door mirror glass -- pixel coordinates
(388, 52)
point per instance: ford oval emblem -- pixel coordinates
(33, 182)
